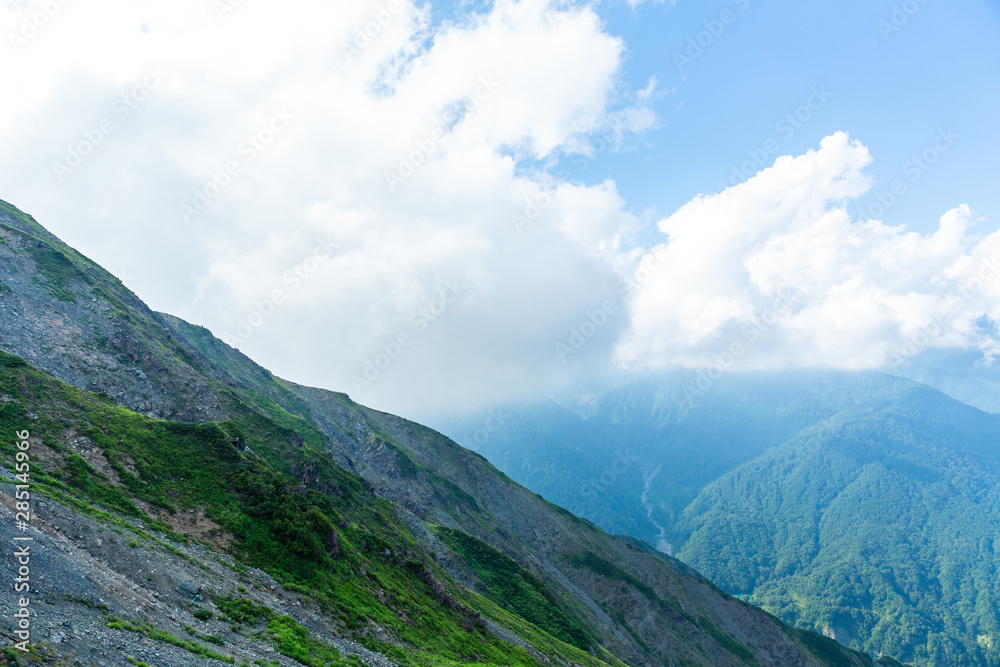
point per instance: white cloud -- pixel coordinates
(635, 3)
(459, 105)
(776, 266)
(407, 147)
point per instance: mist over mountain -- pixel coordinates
(966, 376)
(862, 505)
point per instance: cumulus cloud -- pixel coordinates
(774, 273)
(352, 195)
(317, 181)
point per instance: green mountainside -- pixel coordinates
(409, 549)
(881, 529)
(861, 505)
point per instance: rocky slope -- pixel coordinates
(387, 542)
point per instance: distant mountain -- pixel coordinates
(598, 453)
(964, 375)
(862, 505)
(192, 508)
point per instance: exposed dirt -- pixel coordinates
(83, 570)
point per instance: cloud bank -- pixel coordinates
(361, 199)
(774, 273)
(344, 191)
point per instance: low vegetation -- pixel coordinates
(343, 547)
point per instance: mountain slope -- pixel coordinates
(654, 440)
(863, 505)
(880, 528)
(393, 532)
(344, 549)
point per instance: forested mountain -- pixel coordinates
(862, 505)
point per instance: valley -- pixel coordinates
(860, 505)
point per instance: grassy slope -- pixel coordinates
(169, 466)
(254, 400)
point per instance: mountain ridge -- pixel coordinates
(146, 376)
(860, 505)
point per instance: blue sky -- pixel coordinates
(893, 88)
(892, 91)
